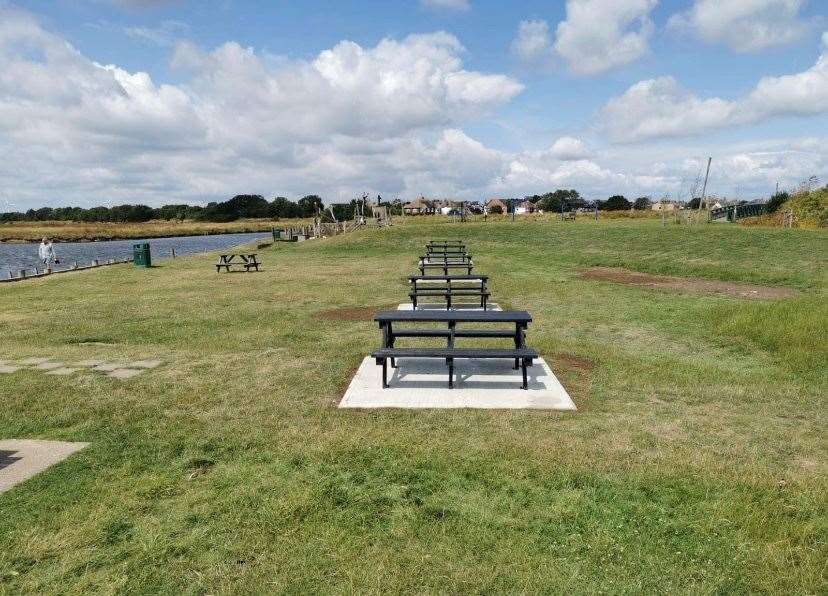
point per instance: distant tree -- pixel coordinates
(282, 207)
(553, 201)
(776, 201)
(694, 203)
(615, 203)
(308, 205)
(642, 203)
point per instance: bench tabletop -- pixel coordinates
(458, 316)
(448, 278)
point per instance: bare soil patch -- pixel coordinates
(688, 284)
(362, 313)
(573, 362)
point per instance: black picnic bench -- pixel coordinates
(447, 252)
(443, 258)
(445, 243)
(448, 287)
(522, 355)
(445, 266)
(247, 260)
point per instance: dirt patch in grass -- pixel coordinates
(573, 362)
(360, 313)
(688, 284)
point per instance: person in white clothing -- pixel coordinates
(47, 253)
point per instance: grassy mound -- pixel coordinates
(810, 210)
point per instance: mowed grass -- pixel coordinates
(696, 461)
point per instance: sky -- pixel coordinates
(105, 102)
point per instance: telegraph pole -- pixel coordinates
(704, 188)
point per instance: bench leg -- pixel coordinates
(525, 382)
(384, 373)
(451, 372)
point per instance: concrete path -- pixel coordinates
(486, 384)
(22, 459)
(116, 370)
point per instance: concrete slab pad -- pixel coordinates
(438, 306)
(49, 365)
(33, 361)
(6, 369)
(124, 373)
(108, 366)
(485, 384)
(88, 363)
(145, 364)
(22, 459)
(63, 371)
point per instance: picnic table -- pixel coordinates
(519, 319)
(430, 250)
(449, 286)
(445, 242)
(445, 266)
(246, 260)
(442, 258)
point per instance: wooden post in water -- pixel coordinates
(172, 251)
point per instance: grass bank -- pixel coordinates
(69, 231)
(696, 461)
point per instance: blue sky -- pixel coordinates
(466, 98)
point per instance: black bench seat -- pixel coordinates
(445, 266)
(493, 333)
(449, 294)
(525, 355)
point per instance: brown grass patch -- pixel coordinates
(573, 362)
(688, 284)
(360, 313)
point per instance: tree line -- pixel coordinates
(239, 207)
(569, 200)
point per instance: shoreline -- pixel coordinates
(115, 238)
(88, 232)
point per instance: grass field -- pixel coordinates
(696, 462)
(75, 231)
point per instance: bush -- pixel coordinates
(776, 201)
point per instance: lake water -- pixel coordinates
(14, 257)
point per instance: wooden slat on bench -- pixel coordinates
(412, 278)
(505, 353)
(459, 316)
(491, 333)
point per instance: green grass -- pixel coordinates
(696, 461)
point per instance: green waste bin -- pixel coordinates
(141, 255)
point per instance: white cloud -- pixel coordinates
(743, 25)
(569, 149)
(599, 35)
(446, 4)
(662, 108)
(353, 118)
(532, 41)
